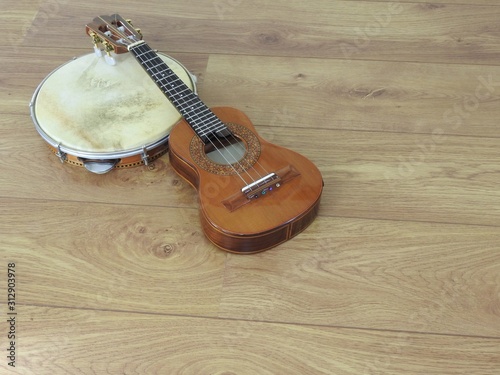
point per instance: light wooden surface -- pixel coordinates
(396, 103)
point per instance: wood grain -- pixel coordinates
(358, 95)
(112, 257)
(395, 102)
(365, 30)
(94, 342)
(418, 177)
(418, 277)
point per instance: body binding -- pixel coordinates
(258, 224)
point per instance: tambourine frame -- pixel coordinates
(121, 158)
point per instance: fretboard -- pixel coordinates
(203, 121)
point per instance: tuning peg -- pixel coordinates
(96, 41)
(97, 51)
(129, 21)
(110, 60)
(108, 48)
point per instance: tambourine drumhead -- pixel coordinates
(89, 108)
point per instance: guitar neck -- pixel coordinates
(201, 119)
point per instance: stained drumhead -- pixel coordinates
(90, 106)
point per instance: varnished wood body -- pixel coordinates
(264, 222)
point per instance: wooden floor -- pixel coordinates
(397, 103)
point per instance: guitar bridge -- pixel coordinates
(262, 186)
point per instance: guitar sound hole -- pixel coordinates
(239, 146)
(226, 150)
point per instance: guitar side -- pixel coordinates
(229, 219)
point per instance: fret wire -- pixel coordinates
(204, 131)
(202, 118)
(176, 88)
(163, 76)
(196, 113)
(210, 123)
(148, 60)
(208, 126)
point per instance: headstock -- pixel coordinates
(113, 33)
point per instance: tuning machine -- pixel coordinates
(129, 21)
(108, 48)
(97, 41)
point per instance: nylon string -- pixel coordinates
(240, 152)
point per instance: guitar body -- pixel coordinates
(230, 219)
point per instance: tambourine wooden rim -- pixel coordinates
(103, 161)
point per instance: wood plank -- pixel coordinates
(416, 177)
(16, 21)
(89, 342)
(358, 95)
(341, 29)
(111, 257)
(389, 275)
(413, 177)
(431, 4)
